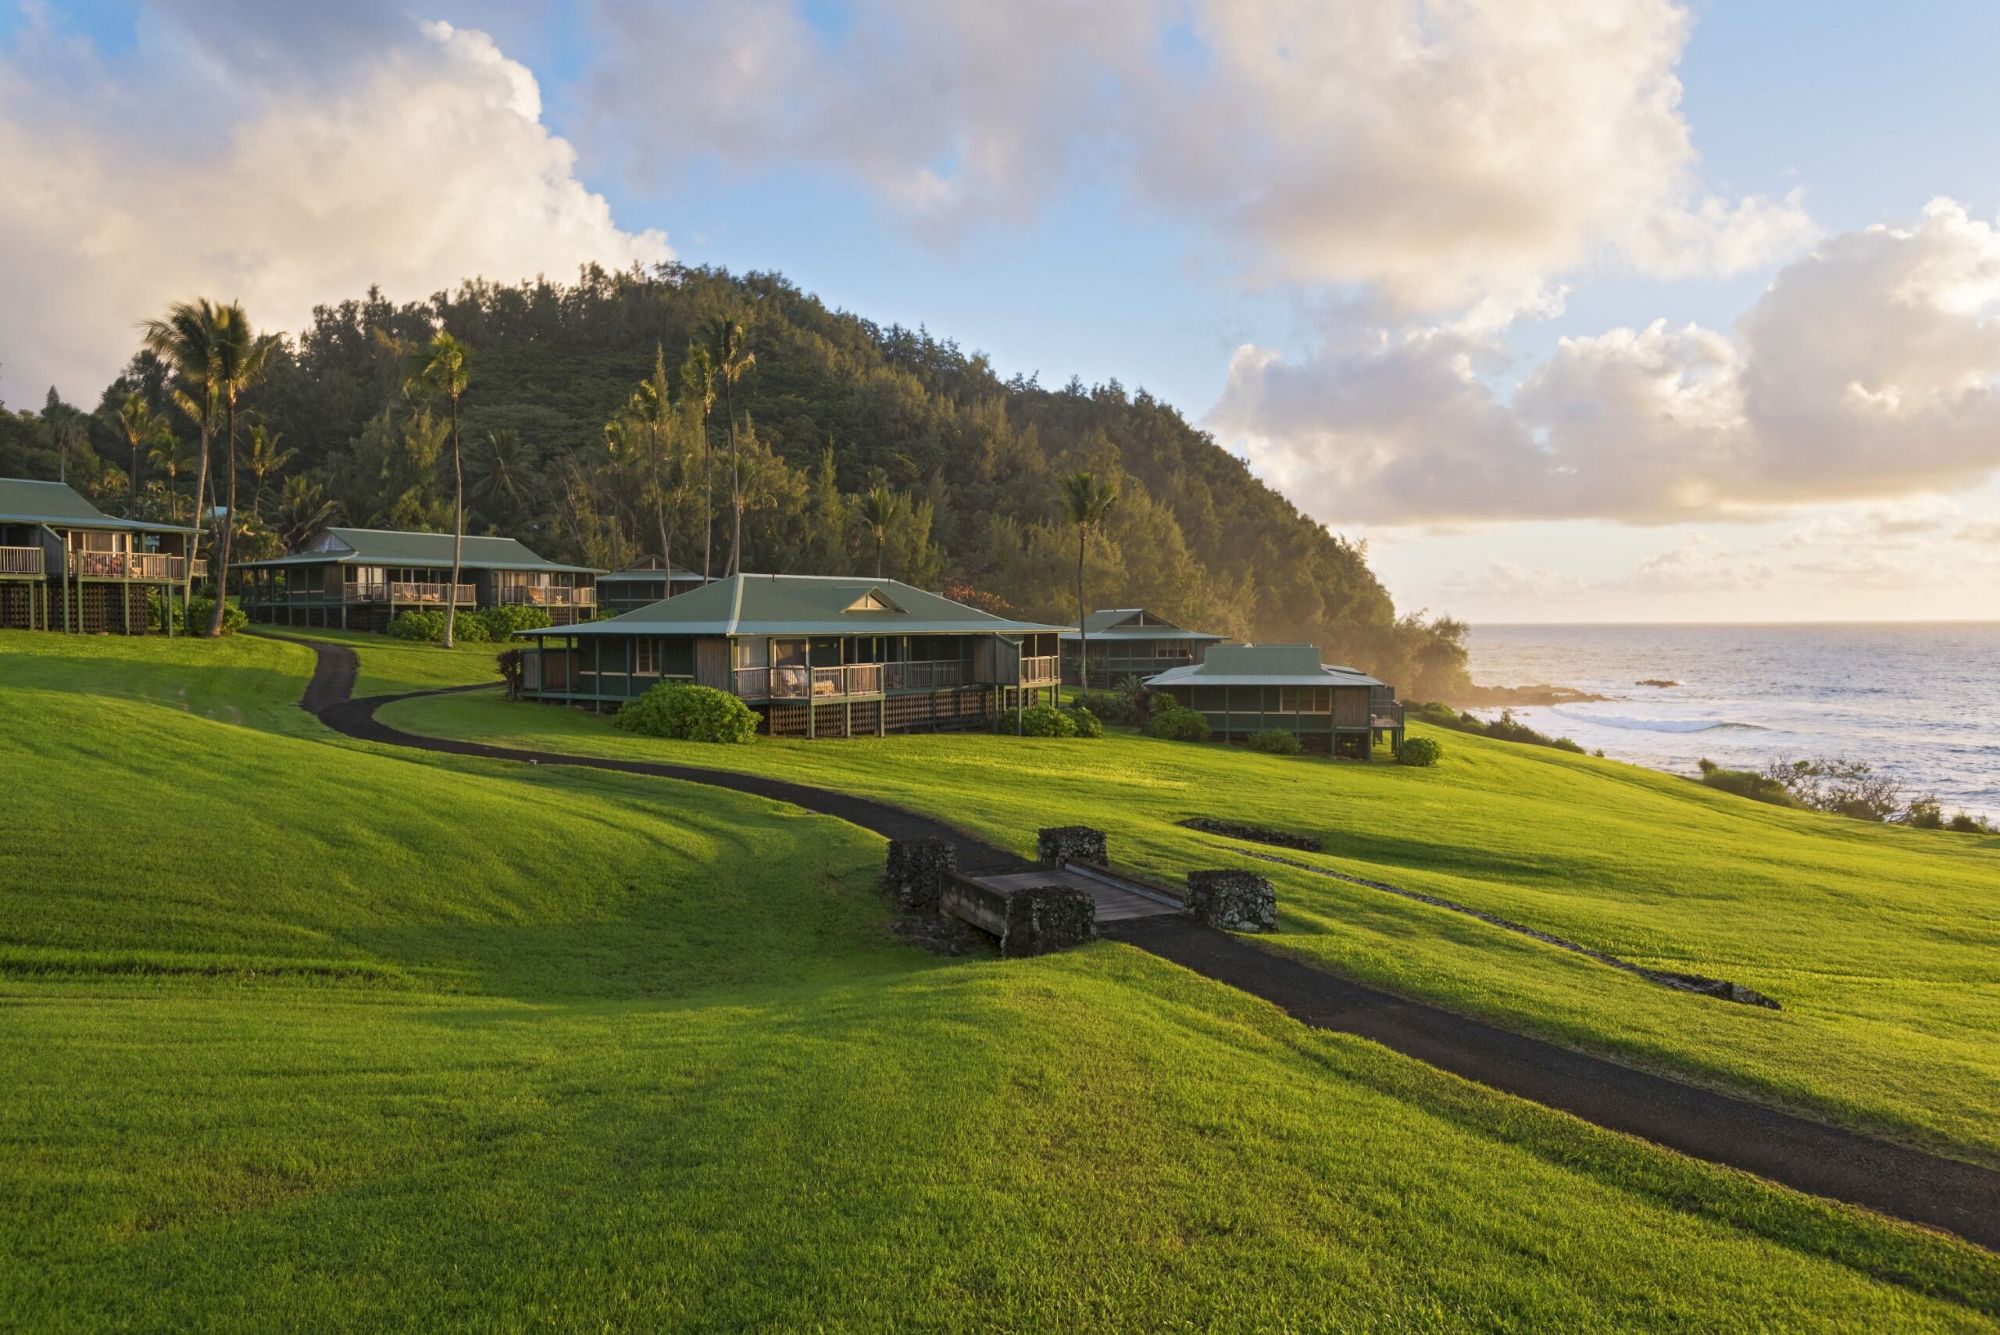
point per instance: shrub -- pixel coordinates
(1176, 723)
(1423, 752)
(1087, 724)
(199, 610)
(1505, 728)
(1274, 741)
(428, 627)
(689, 713)
(1110, 706)
(1047, 721)
(1964, 822)
(1745, 783)
(502, 622)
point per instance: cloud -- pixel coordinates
(1510, 581)
(1700, 564)
(1869, 368)
(1439, 153)
(413, 168)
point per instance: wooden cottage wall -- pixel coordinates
(711, 662)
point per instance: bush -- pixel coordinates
(199, 610)
(428, 627)
(1110, 706)
(1047, 721)
(1087, 723)
(1505, 728)
(1964, 822)
(1745, 783)
(502, 622)
(689, 713)
(1274, 742)
(1176, 723)
(1423, 752)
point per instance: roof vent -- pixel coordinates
(873, 601)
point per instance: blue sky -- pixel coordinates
(1062, 195)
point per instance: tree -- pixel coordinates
(186, 341)
(732, 358)
(241, 357)
(441, 370)
(650, 432)
(504, 478)
(169, 455)
(879, 510)
(1087, 502)
(303, 510)
(698, 396)
(141, 427)
(265, 462)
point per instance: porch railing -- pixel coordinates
(20, 560)
(1040, 670)
(404, 592)
(1385, 716)
(127, 565)
(796, 683)
(553, 596)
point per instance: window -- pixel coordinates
(788, 653)
(646, 657)
(1211, 699)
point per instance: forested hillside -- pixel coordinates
(857, 443)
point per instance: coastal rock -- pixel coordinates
(1656, 681)
(1234, 901)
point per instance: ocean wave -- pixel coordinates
(1665, 724)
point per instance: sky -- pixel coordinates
(1573, 310)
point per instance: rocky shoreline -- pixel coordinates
(1489, 697)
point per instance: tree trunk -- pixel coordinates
(228, 526)
(457, 529)
(707, 502)
(194, 520)
(878, 555)
(735, 484)
(1082, 631)
(132, 483)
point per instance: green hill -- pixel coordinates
(297, 1026)
(834, 407)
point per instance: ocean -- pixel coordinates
(1919, 701)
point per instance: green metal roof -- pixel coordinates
(643, 572)
(1263, 665)
(25, 501)
(1123, 623)
(389, 547)
(803, 605)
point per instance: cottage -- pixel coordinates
(66, 565)
(1246, 688)
(816, 655)
(360, 578)
(1131, 642)
(647, 581)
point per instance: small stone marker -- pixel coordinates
(1234, 901)
(917, 870)
(1070, 843)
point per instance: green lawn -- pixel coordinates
(1882, 944)
(299, 1031)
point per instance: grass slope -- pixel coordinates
(296, 1026)
(1883, 944)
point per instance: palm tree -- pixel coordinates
(733, 360)
(698, 395)
(878, 511)
(503, 475)
(185, 341)
(241, 358)
(265, 462)
(1087, 501)
(441, 369)
(303, 509)
(651, 413)
(170, 456)
(141, 427)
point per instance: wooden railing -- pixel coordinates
(404, 592)
(128, 565)
(551, 596)
(1385, 715)
(796, 683)
(20, 560)
(1039, 670)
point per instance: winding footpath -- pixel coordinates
(1807, 1156)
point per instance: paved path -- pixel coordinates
(1923, 1188)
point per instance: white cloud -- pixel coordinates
(1505, 581)
(1447, 155)
(1869, 368)
(1700, 564)
(413, 168)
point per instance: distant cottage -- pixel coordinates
(66, 565)
(360, 578)
(1130, 642)
(647, 580)
(816, 655)
(1246, 688)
